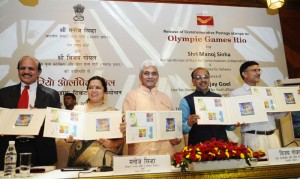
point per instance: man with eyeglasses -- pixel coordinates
(200, 133)
(259, 135)
(147, 97)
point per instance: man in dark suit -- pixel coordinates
(43, 149)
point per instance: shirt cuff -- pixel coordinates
(186, 128)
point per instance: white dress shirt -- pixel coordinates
(31, 92)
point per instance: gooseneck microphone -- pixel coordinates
(105, 168)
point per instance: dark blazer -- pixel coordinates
(201, 133)
(45, 147)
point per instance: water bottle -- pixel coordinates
(10, 160)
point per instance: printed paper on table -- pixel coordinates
(145, 126)
(61, 123)
(124, 165)
(230, 110)
(21, 121)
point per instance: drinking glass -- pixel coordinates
(25, 163)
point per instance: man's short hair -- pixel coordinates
(199, 68)
(39, 65)
(245, 65)
(71, 95)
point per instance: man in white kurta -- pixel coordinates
(147, 97)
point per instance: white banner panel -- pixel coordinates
(76, 40)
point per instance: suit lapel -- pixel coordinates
(40, 97)
(15, 94)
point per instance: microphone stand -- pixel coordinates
(105, 168)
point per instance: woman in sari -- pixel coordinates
(90, 152)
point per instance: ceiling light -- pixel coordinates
(275, 4)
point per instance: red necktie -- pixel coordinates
(24, 99)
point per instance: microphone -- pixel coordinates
(105, 168)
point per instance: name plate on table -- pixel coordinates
(141, 164)
(284, 156)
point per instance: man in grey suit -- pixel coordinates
(43, 149)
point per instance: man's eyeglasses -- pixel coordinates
(198, 77)
(254, 70)
(147, 73)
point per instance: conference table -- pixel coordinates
(261, 170)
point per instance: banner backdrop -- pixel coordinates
(76, 40)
